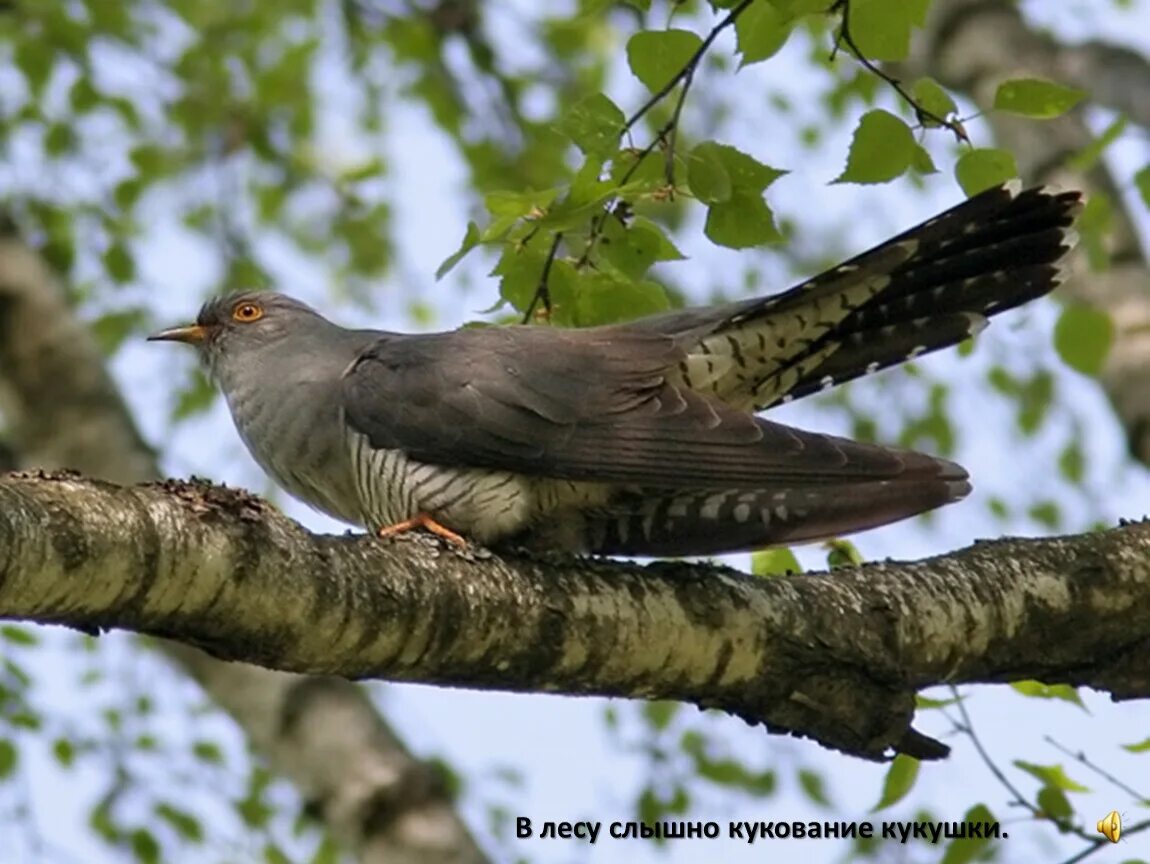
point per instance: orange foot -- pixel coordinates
(422, 521)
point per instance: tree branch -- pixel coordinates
(63, 410)
(836, 657)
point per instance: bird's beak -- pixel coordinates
(192, 334)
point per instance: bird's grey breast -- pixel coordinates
(288, 413)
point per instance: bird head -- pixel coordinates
(236, 324)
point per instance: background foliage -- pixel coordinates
(610, 159)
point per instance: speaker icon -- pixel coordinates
(1110, 827)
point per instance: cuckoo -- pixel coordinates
(639, 438)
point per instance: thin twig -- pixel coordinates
(1096, 843)
(688, 67)
(1101, 772)
(599, 218)
(967, 728)
(542, 291)
(668, 132)
(1093, 843)
(672, 128)
(923, 114)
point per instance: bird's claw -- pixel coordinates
(422, 520)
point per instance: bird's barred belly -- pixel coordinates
(482, 505)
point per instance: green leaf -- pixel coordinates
(1037, 98)
(509, 207)
(1142, 181)
(1054, 803)
(1088, 156)
(721, 772)
(967, 849)
(594, 124)
(761, 31)
(1072, 462)
(1051, 775)
(365, 170)
(813, 785)
(520, 270)
(745, 171)
(111, 330)
(84, 96)
(150, 160)
(1038, 690)
(741, 218)
(1046, 513)
(145, 846)
(744, 221)
(602, 298)
(780, 561)
(998, 508)
(186, 825)
(1094, 228)
(64, 751)
(707, 176)
(1082, 338)
(208, 752)
(900, 779)
(666, 250)
(8, 758)
(660, 714)
(470, 241)
(26, 720)
(1035, 397)
(1140, 747)
(761, 784)
(930, 95)
(657, 56)
(882, 149)
(128, 192)
(882, 28)
(564, 284)
(589, 191)
(979, 170)
(59, 139)
(843, 553)
(196, 398)
(633, 249)
(119, 263)
(798, 8)
(34, 58)
(18, 635)
(921, 162)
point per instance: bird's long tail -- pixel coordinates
(928, 288)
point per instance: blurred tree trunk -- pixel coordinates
(62, 410)
(971, 46)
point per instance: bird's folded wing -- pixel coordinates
(594, 405)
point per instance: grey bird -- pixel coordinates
(638, 438)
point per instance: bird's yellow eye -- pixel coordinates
(247, 312)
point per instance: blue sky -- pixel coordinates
(571, 768)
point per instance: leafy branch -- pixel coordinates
(965, 726)
(666, 136)
(685, 75)
(924, 115)
(728, 182)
